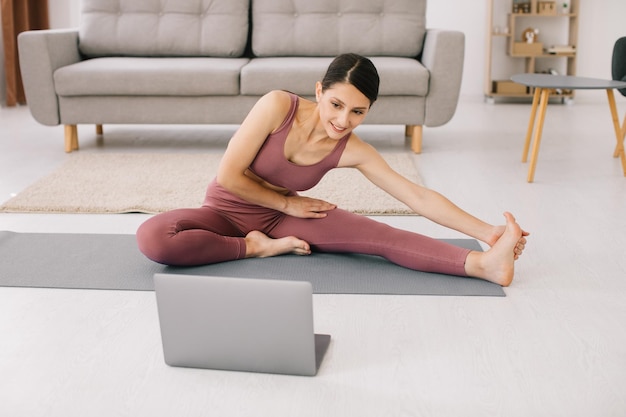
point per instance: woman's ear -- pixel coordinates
(318, 91)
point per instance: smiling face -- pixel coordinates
(342, 107)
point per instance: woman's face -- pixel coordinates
(342, 108)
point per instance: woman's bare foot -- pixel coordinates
(497, 264)
(259, 245)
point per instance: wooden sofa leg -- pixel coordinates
(99, 130)
(71, 138)
(415, 133)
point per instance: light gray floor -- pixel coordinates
(556, 345)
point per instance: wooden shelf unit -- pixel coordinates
(500, 43)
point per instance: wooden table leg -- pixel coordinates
(543, 104)
(531, 124)
(623, 136)
(615, 154)
(619, 149)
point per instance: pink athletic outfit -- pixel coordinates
(215, 232)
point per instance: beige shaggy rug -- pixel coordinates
(153, 183)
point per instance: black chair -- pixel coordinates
(618, 69)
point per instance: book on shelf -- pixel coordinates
(561, 49)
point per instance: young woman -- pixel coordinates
(285, 145)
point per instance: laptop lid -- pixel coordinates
(238, 324)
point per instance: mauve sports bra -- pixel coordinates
(272, 166)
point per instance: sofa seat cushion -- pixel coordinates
(164, 28)
(150, 77)
(398, 76)
(333, 27)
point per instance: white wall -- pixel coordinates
(64, 13)
(601, 22)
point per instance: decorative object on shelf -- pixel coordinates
(546, 8)
(522, 6)
(564, 7)
(497, 30)
(528, 45)
(530, 35)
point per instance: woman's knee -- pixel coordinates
(152, 237)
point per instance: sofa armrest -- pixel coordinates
(41, 52)
(443, 56)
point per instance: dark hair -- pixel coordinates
(356, 70)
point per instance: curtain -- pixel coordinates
(19, 16)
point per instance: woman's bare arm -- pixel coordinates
(421, 200)
(266, 116)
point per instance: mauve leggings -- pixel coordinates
(214, 233)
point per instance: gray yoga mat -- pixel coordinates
(113, 262)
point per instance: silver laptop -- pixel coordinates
(238, 324)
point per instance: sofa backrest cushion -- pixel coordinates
(333, 27)
(216, 28)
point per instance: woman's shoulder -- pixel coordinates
(271, 108)
(278, 98)
(286, 98)
(358, 152)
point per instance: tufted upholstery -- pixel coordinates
(209, 61)
(333, 27)
(398, 76)
(164, 28)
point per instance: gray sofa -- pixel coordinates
(207, 62)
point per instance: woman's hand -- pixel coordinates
(498, 231)
(306, 207)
